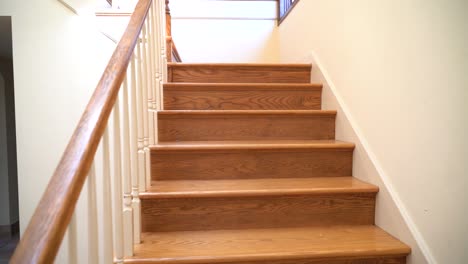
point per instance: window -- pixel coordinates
(284, 7)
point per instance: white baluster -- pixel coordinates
(154, 33)
(93, 235)
(107, 201)
(117, 180)
(136, 204)
(151, 80)
(141, 122)
(157, 34)
(146, 83)
(163, 41)
(73, 240)
(127, 179)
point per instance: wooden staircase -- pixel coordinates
(248, 171)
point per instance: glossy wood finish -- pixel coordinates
(233, 157)
(168, 19)
(239, 73)
(251, 160)
(251, 96)
(172, 52)
(203, 125)
(257, 187)
(216, 213)
(43, 236)
(335, 244)
(262, 203)
(175, 53)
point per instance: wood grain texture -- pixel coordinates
(171, 51)
(43, 236)
(239, 73)
(205, 125)
(337, 244)
(256, 187)
(251, 160)
(346, 260)
(292, 260)
(212, 96)
(211, 213)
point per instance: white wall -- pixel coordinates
(58, 60)
(225, 31)
(398, 68)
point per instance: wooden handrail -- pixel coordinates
(44, 234)
(172, 52)
(175, 53)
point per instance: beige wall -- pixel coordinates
(58, 60)
(398, 69)
(225, 31)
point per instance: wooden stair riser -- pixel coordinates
(250, 164)
(248, 97)
(204, 127)
(238, 73)
(285, 198)
(191, 214)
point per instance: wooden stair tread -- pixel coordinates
(242, 86)
(218, 246)
(246, 171)
(251, 65)
(256, 187)
(253, 144)
(227, 113)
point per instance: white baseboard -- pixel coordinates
(421, 252)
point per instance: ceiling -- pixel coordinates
(5, 37)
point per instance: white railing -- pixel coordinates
(104, 221)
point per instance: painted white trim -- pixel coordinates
(81, 13)
(421, 242)
(69, 7)
(221, 18)
(82, 8)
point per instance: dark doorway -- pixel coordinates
(9, 211)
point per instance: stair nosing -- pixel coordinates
(368, 189)
(253, 65)
(257, 145)
(398, 249)
(181, 86)
(275, 257)
(176, 113)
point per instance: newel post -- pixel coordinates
(168, 20)
(168, 33)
